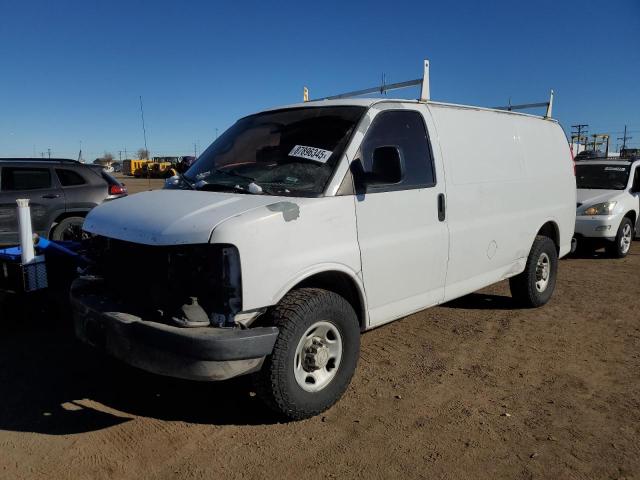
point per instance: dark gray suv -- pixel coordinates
(61, 193)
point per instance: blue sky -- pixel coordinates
(72, 71)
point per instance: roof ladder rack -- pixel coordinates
(424, 92)
(525, 106)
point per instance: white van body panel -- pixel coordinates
(169, 217)
(283, 243)
(507, 175)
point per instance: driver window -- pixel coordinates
(404, 129)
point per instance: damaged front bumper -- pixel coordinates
(203, 353)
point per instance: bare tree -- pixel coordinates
(143, 154)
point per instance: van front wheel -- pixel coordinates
(315, 354)
(535, 285)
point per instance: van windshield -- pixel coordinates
(602, 177)
(290, 152)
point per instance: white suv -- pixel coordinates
(608, 205)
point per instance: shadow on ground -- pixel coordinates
(51, 384)
(599, 253)
(483, 301)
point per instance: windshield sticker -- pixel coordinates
(615, 169)
(310, 153)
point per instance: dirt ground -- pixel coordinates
(473, 389)
(136, 185)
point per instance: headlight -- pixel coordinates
(600, 209)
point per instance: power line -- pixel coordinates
(580, 129)
(624, 138)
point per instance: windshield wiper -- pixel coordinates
(184, 179)
(231, 173)
(213, 187)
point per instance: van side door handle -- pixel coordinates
(442, 207)
(51, 195)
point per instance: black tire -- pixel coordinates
(617, 249)
(585, 248)
(69, 229)
(524, 288)
(294, 315)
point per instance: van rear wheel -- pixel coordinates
(535, 285)
(315, 355)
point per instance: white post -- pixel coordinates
(26, 232)
(425, 94)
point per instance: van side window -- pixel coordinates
(15, 178)
(405, 130)
(69, 178)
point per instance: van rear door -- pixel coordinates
(403, 242)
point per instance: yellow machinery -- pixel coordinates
(151, 169)
(130, 167)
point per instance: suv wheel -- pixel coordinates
(315, 355)
(69, 230)
(535, 285)
(620, 248)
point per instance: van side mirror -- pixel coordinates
(386, 168)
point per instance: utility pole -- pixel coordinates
(144, 130)
(120, 155)
(49, 153)
(624, 138)
(125, 153)
(195, 150)
(580, 129)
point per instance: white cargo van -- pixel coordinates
(303, 226)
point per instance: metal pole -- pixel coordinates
(144, 130)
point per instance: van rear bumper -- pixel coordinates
(203, 354)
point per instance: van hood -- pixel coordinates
(588, 197)
(170, 217)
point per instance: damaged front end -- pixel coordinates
(172, 310)
(189, 285)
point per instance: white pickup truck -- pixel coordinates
(608, 205)
(301, 227)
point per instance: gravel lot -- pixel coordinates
(136, 185)
(474, 388)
